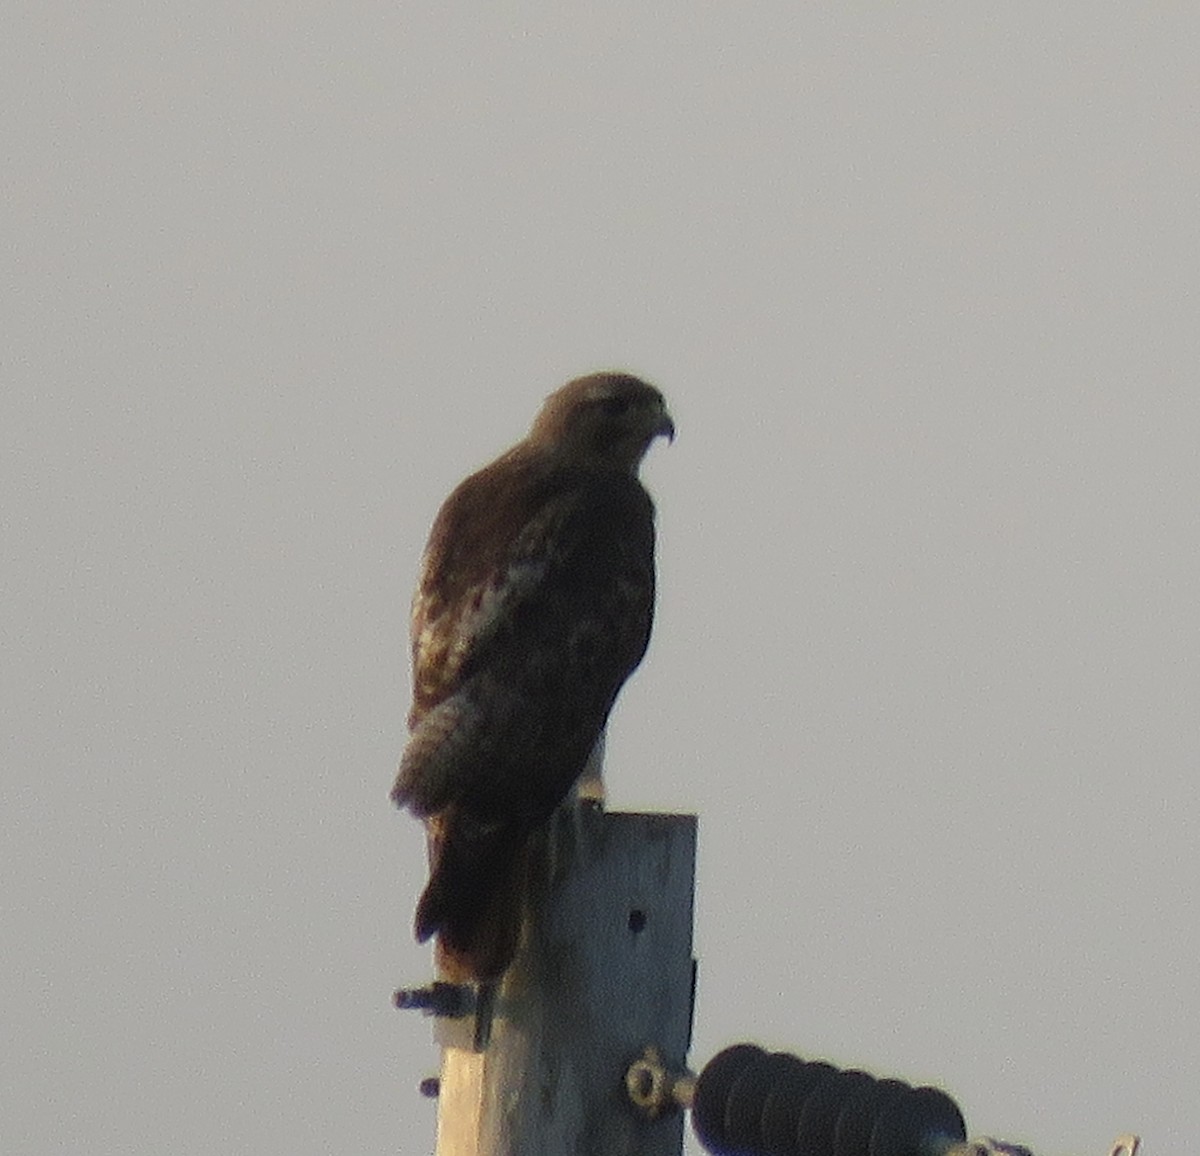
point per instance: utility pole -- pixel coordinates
(605, 970)
(581, 1050)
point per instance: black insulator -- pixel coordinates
(786, 1101)
(749, 1102)
(922, 1122)
(747, 1096)
(817, 1126)
(856, 1121)
(712, 1090)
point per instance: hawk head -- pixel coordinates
(605, 419)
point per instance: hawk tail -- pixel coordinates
(473, 901)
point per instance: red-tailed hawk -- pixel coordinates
(534, 605)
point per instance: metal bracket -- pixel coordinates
(1126, 1145)
(655, 1090)
(454, 1001)
(451, 1000)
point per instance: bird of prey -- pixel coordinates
(533, 606)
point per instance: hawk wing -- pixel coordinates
(535, 603)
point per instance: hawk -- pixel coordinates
(533, 606)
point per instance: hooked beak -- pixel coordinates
(665, 427)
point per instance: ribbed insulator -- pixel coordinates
(749, 1102)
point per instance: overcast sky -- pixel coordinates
(922, 286)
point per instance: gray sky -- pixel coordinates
(921, 284)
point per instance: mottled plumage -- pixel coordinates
(534, 604)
